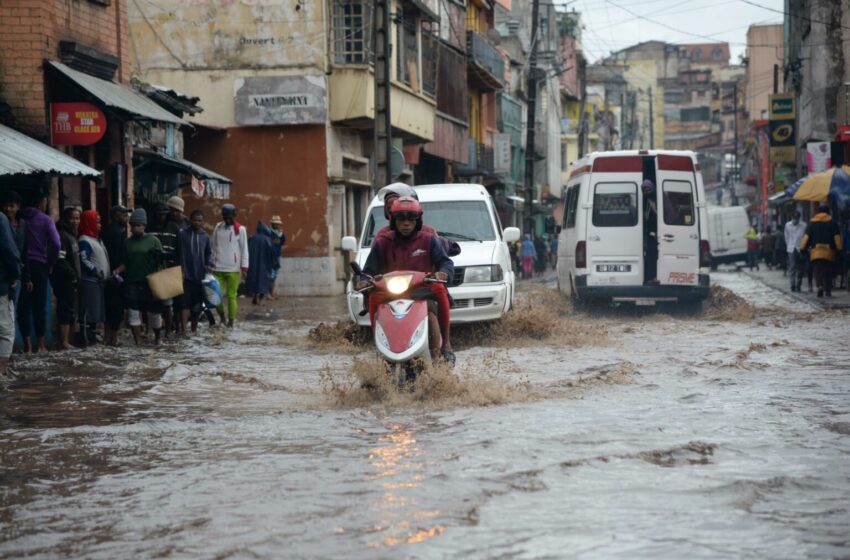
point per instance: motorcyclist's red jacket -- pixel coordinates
(450, 247)
(420, 251)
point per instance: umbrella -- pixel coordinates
(833, 183)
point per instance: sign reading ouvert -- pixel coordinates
(271, 100)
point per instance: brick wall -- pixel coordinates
(30, 31)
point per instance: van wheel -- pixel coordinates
(713, 264)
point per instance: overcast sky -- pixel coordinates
(609, 25)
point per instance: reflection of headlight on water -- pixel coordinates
(399, 284)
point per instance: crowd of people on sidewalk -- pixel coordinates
(533, 254)
(100, 278)
(818, 250)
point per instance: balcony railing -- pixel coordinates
(480, 161)
(486, 66)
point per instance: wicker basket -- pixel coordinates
(166, 283)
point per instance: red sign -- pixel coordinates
(76, 124)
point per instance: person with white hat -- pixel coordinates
(278, 241)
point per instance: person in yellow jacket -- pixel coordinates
(753, 245)
(823, 241)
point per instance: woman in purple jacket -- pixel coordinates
(42, 241)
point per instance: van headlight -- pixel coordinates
(399, 284)
(478, 274)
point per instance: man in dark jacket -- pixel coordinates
(66, 275)
(172, 221)
(823, 241)
(196, 258)
(262, 254)
(10, 270)
(42, 242)
(114, 236)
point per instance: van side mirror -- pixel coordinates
(510, 234)
(349, 243)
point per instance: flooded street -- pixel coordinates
(618, 435)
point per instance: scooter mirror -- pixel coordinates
(356, 268)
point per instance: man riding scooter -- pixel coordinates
(407, 247)
(390, 194)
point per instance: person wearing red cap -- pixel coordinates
(410, 248)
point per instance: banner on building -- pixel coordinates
(783, 175)
(76, 124)
(502, 153)
(818, 156)
(272, 100)
(782, 128)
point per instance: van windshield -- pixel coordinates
(615, 205)
(464, 220)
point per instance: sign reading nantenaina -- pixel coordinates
(293, 100)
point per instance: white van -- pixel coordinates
(727, 227)
(601, 245)
(483, 286)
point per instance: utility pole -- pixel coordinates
(634, 126)
(530, 116)
(623, 116)
(607, 144)
(735, 168)
(383, 126)
(651, 123)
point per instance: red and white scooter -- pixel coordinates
(404, 335)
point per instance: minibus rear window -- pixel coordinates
(678, 203)
(615, 205)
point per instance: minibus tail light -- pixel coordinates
(581, 255)
(704, 254)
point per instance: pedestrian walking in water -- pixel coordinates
(114, 239)
(768, 246)
(262, 254)
(528, 253)
(42, 242)
(142, 252)
(196, 259)
(229, 243)
(95, 272)
(10, 271)
(11, 208)
(794, 231)
(66, 276)
(171, 222)
(278, 240)
(823, 241)
(541, 257)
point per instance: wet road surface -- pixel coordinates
(617, 435)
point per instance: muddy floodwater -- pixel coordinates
(612, 435)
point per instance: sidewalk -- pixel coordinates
(775, 279)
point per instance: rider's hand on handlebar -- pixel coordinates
(441, 276)
(361, 284)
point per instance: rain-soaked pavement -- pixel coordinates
(616, 436)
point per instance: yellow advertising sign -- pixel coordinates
(784, 154)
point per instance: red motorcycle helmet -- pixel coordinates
(406, 207)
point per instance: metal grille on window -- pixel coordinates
(352, 27)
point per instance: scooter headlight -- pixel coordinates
(399, 284)
(418, 333)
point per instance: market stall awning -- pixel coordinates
(183, 165)
(117, 96)
(22, 155)
(778, 198)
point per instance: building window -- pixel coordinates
(408, 53)
(352, 28)
(697, 54)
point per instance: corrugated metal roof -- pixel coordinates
(118, 96)
(185, 165)
(22, 155)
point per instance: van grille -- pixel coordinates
(460, 303)
(466, 303)
(481, 302)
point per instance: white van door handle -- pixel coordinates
(593, 238)
(694, 236)
(669, 236)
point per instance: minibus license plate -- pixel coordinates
(613, 268)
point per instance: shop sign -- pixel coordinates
(783, 175)
(782, 140)
(818, 156)
(76, 124)
(273, 100)
(502, 153)
(782, 106)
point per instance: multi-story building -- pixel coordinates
(65, 80)
(289, 93)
